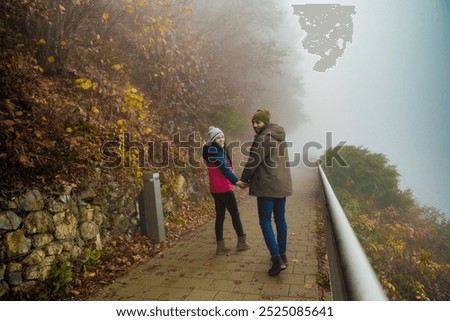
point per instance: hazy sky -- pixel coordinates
(389, 92)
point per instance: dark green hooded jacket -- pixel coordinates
(267, 170)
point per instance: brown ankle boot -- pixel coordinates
(242, 244)
(221, 249)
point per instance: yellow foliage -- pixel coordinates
(69, 130)
(117, 66)
(51, 59)
(164, 24)
(63, 43)
(420, 292)
(95, 110)
(162, 28)
(425, 258)
(84, 83)
(400, 247)
(376, 247)
(133, 98)
(39, 68)
(387, 285)
(105, 16)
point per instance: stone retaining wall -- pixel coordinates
(38, 230)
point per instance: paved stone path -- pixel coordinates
(191, 271)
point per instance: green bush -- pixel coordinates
(60, 279)
(230, 120)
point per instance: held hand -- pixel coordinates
(241, 184)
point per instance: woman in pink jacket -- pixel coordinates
(221, 183)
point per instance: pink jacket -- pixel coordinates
(220, 172)
(218, 183)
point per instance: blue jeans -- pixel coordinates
(267, 206)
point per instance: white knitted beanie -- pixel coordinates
(213, 132)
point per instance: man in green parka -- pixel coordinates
(268, 175)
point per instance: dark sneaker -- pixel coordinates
(277, 266)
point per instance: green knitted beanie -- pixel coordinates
(262, 115)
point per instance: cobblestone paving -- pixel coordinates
(191, 271)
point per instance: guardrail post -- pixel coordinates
(150, 208)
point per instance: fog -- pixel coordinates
(384, 86)
(389, 92)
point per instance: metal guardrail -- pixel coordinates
(352, 277)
